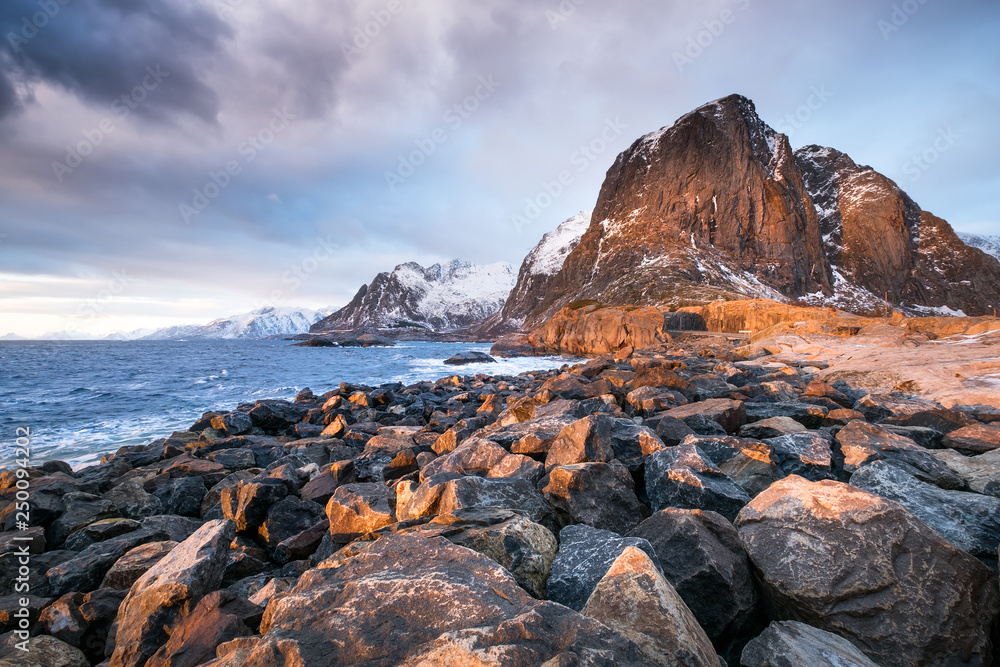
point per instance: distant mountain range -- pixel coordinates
(442, 298)
(260, 323)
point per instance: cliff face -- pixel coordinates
(712, 206)
(718, 206)
(441, 297)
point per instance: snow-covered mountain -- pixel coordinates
(259, 323)
(988, 244)
(441, 297)
(539, 267)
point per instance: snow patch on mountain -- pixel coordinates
(260, 323)
(549, 255)
(988, 244)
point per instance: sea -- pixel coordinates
(81, 400)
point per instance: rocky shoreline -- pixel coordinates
(682, 502)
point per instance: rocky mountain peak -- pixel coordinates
(719, 206)
(441, 297)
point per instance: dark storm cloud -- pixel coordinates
(99, 50)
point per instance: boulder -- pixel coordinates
(301, 545)
(632, 443)
(793, 644)
(981, 473)
(685, 477)
(518, 465)
(868, 570)
(601, 495)
(246, 503)
(356, 509)
(942, 421)
(85, 571)
(233, 423)
(286, 518)
(421, 586)
(474, 456)
(727, 413)
(672, 431)
(194, 639)
(41, 651)
(703, 559)
(168, 591)
(524, 548)
(771, 428)
(751, 464)
(808, 454)
(135, 563)
(182, 496)
(320, 488)
(634, 599)
(447, 492)
(974, 439)
(862, 443)
(81, 509)
(586, 440)
(132, 501)
(99, 531)
(463, 358)
(810, 416)
(970, 521)
(546, 634)
(585, 555)
(876, 407)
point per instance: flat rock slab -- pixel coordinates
(794, 644)
(865, 568)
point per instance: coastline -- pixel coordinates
(475, 490)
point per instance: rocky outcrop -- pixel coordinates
(440, 298)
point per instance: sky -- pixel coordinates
(172, 161)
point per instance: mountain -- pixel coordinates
(718, 206)
(988, 244)
(441, 297)
(12, 336)
(536, 274)
(260, 323)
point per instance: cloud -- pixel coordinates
(99, 50)
(372, 81)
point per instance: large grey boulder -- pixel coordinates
(970, 521)
(863, 567)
